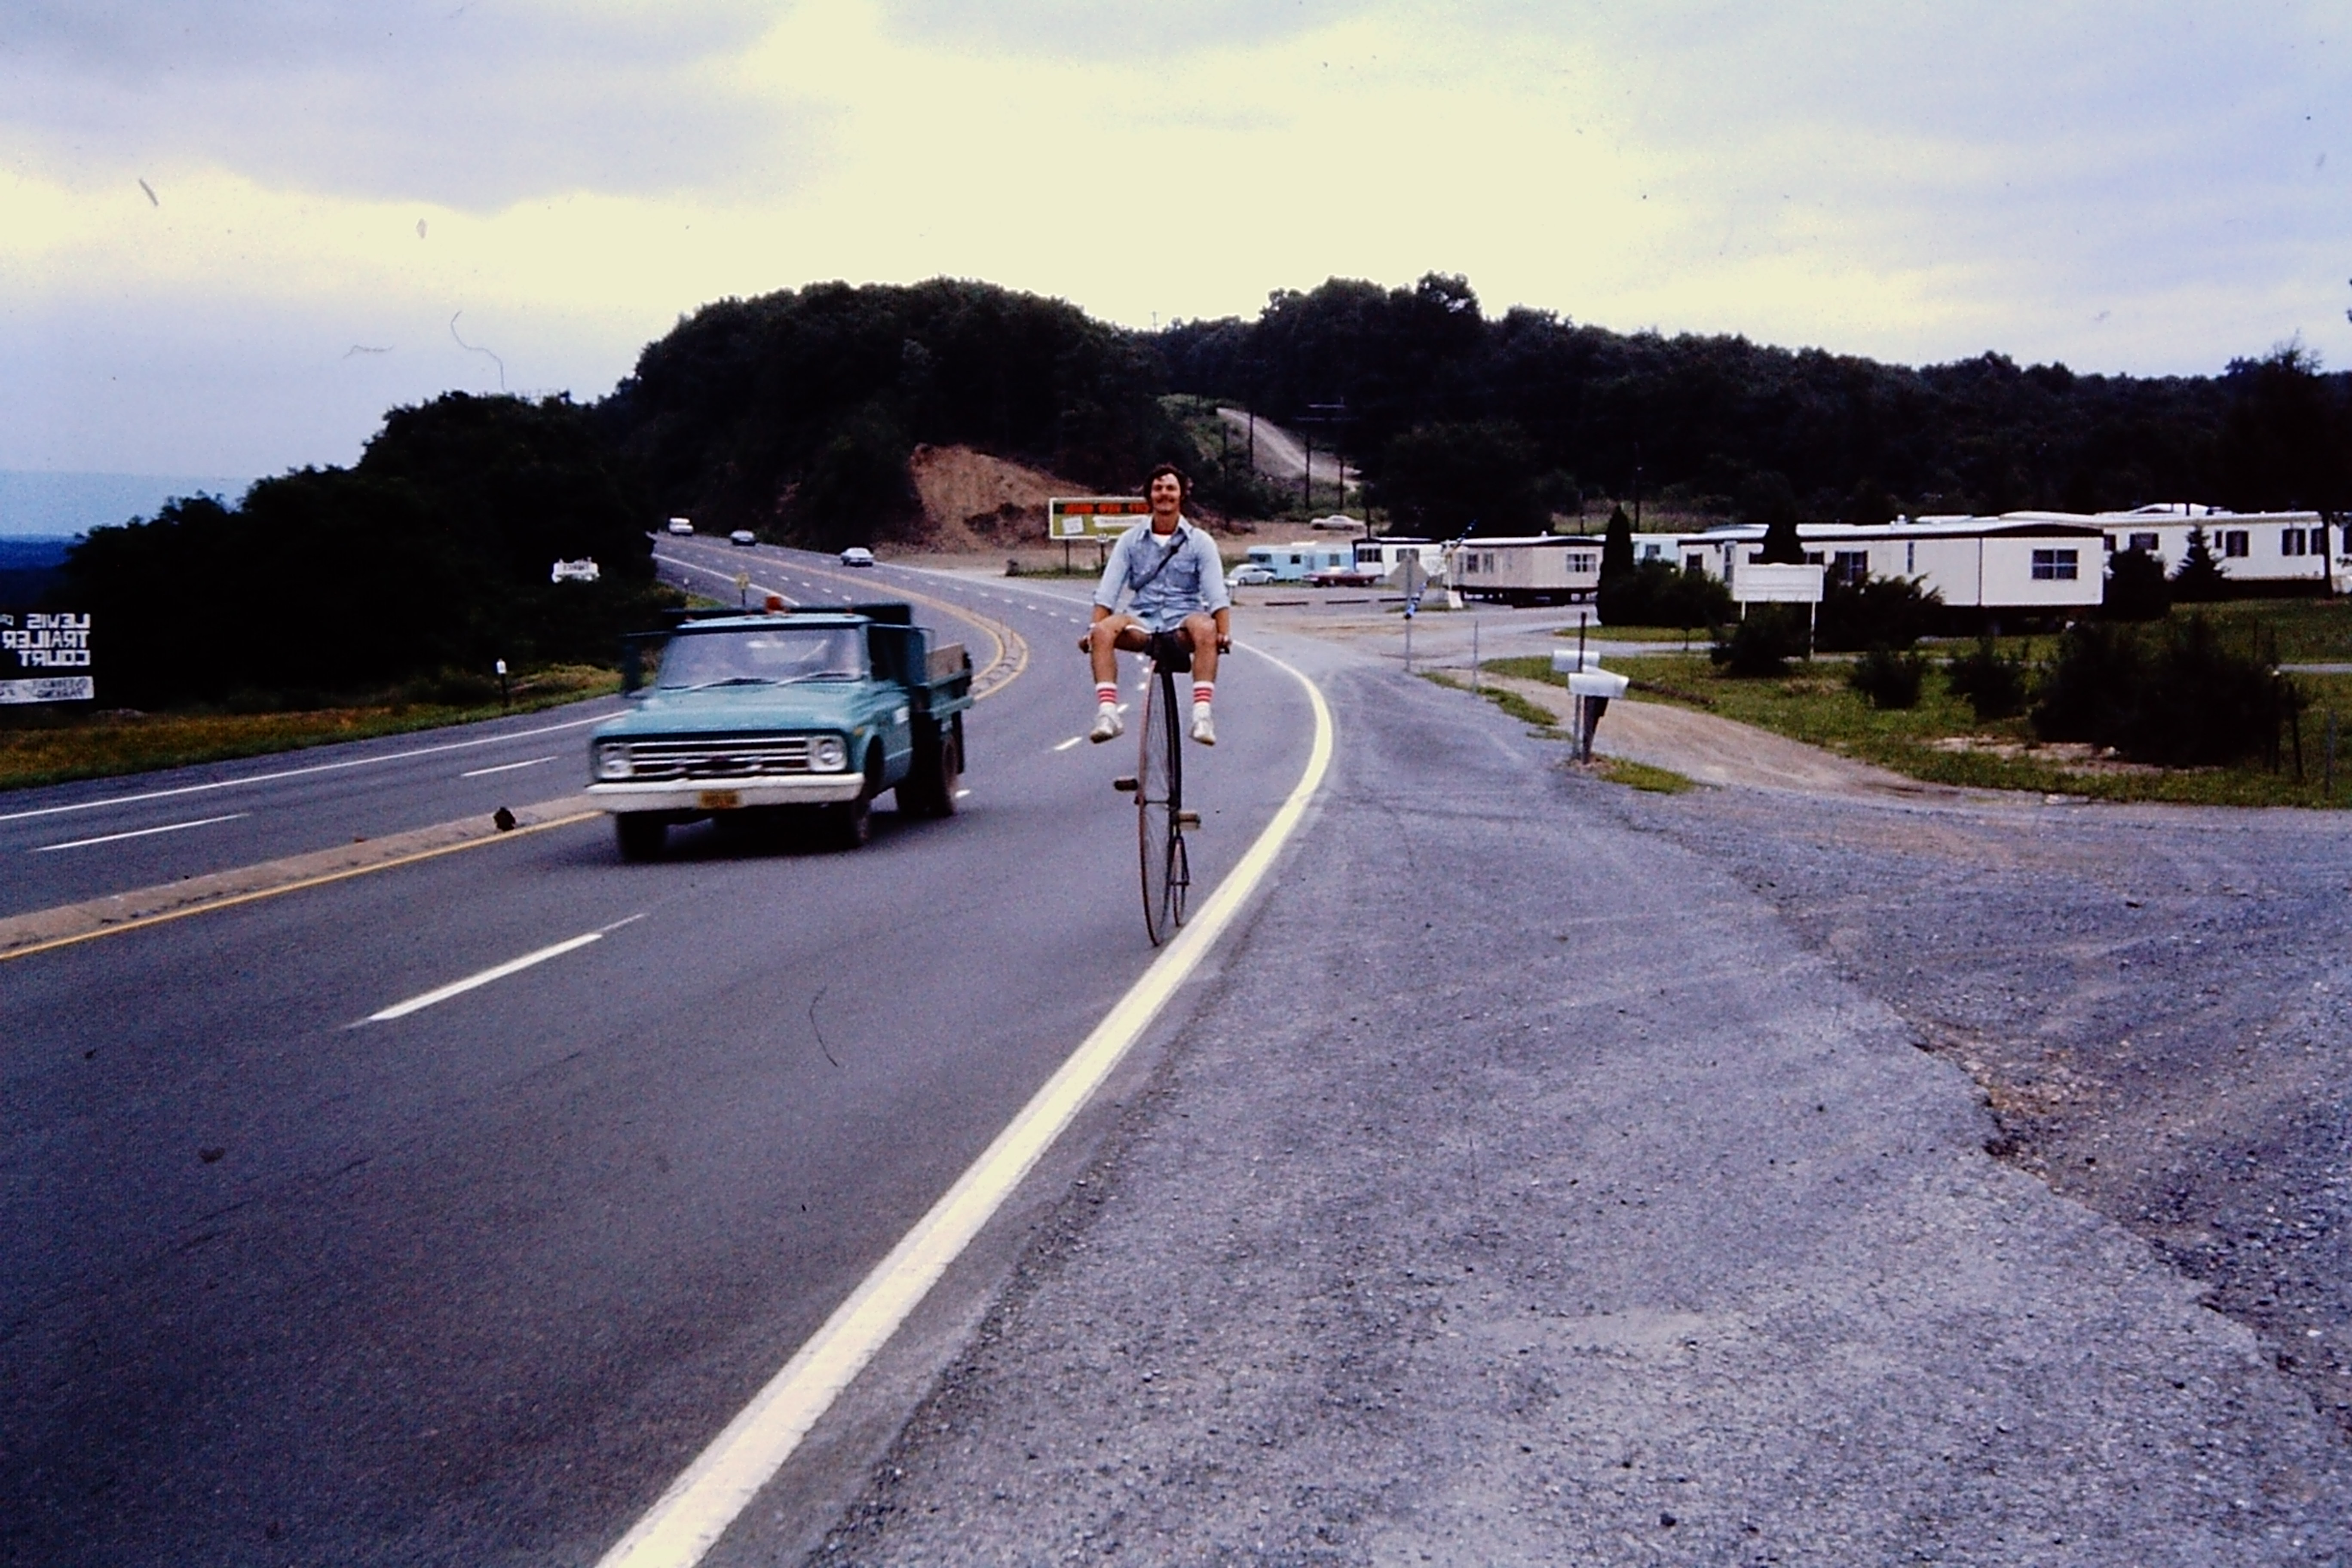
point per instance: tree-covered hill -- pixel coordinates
(794, 414)
(1724, 424)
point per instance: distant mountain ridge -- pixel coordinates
(38, 502)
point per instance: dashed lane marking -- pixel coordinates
(496, 972)
(689, 1518)
(139, 833)
(507, 767)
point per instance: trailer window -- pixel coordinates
(1851, 567)
(2233, 542)
(2291, 542)
(2144, 543)
(2054, 565)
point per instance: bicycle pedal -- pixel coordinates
(1124, 784)
(1188, 819)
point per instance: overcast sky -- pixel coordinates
(231, 235)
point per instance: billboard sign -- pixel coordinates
(45, 657)
(1092, 517)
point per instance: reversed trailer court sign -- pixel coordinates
(1102, 518)
(45, 657)
(1092, 517)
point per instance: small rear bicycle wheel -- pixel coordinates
(1158, 793)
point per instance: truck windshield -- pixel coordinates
(763, 656)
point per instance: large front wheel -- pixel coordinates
(1158, 797)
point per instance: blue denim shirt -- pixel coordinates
(1192, 582)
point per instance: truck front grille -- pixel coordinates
(718, 757)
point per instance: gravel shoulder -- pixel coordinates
(1537, 1181)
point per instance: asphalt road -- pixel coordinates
(1526, 1189)
(472, 1284)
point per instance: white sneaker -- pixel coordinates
(1109, 725)
(1204, 728)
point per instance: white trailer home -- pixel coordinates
(2278, 552)
(1381, 555)
(1995, 564)
(1546, 569)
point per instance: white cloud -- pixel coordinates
(470, 105)
(2123, 189)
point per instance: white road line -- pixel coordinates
(497, 971)
(141, 833)
(505, 767)
(689, 1518)
(1069, 743)
(304, 772)
(727, 577)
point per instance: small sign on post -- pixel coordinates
(581, 570)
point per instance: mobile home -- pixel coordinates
(2276, 551)
(2031, 564)
(1546, 569)
(1381, 555)
(1295, 563)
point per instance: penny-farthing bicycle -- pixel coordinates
(1158, 785)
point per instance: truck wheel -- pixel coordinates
(850, 823)
(641, 834)
(930, 789)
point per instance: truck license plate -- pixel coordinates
(718, 799)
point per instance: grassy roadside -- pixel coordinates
(1616, 770)
(101, 746)
(1815, 705)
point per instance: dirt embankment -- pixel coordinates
(974, 502)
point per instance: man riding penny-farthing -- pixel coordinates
(1179, 615)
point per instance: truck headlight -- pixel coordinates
(612, 760)
(827, 754)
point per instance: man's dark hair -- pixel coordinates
(1183, 480)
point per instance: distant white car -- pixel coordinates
(681, 526)
(857, 555)
(1248, 577)
(743, 536)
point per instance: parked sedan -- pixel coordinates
(1248, 577)
(743, 536)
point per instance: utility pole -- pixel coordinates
(1307, 480)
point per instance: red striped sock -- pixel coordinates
(1205, 691)
(1108, 691)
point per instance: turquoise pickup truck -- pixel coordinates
(798, 716)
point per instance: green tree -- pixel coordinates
(1782, 547)
(2136, 589)
(1616, 545)
(1447, 480)
(2199, 578)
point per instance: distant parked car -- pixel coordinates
(857, 555)
(743, 536)
(681, 526)
(1248, 577)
